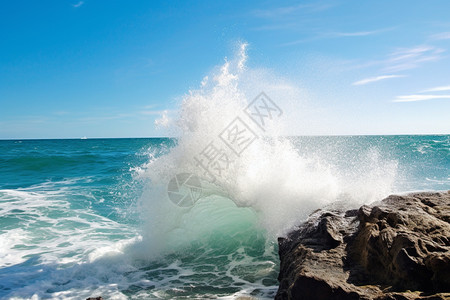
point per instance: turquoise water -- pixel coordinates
(76, 217)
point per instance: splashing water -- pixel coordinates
(264, 191)
(224, 245)
(271, 177)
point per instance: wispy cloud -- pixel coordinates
(413, 98)
(359, 33)
(105, 117)
(61, 113)
(420, 96)
(437, 89)
(298, 18)
(350, 34)
(298, 42)
(150, 106)
(375, 79)
(153, 112)
(331, 35)
(411, 58)
(400, 60)
(277, 26)
(441, 36)
(78, 4)
(404, 59)
(288, 10)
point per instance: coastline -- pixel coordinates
(398, 248)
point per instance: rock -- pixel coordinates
(94, 298)
(397, 249)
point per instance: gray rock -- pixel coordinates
(396, 249)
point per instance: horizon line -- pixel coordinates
(174, 137)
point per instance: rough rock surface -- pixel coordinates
(398, 248)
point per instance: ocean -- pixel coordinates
(93, 217)
(197, 216)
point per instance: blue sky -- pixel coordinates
(109, 68)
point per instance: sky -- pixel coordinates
(95, 68)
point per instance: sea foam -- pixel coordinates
(272, 178)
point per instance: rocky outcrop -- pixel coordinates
(398, 248)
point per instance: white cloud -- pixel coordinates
(277, 26)
(154, 112)
(374, 79)
(104, 118)
(297, 42)
(151, 112)
(411, 58)
(360, 33)
(413, 98)
(437, 89)
(328, 35)
(441, 36)
(288, 10)
(61, 113)
(425, 97)
(405, 59)
(78, 4)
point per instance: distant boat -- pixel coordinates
(84, 138)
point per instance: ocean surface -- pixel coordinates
(91, 217)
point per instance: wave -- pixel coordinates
(51, 246)
(269, 176)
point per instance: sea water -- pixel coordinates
(97, 217)
(72, 222)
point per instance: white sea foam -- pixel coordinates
(271, 177)
(54, 250)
